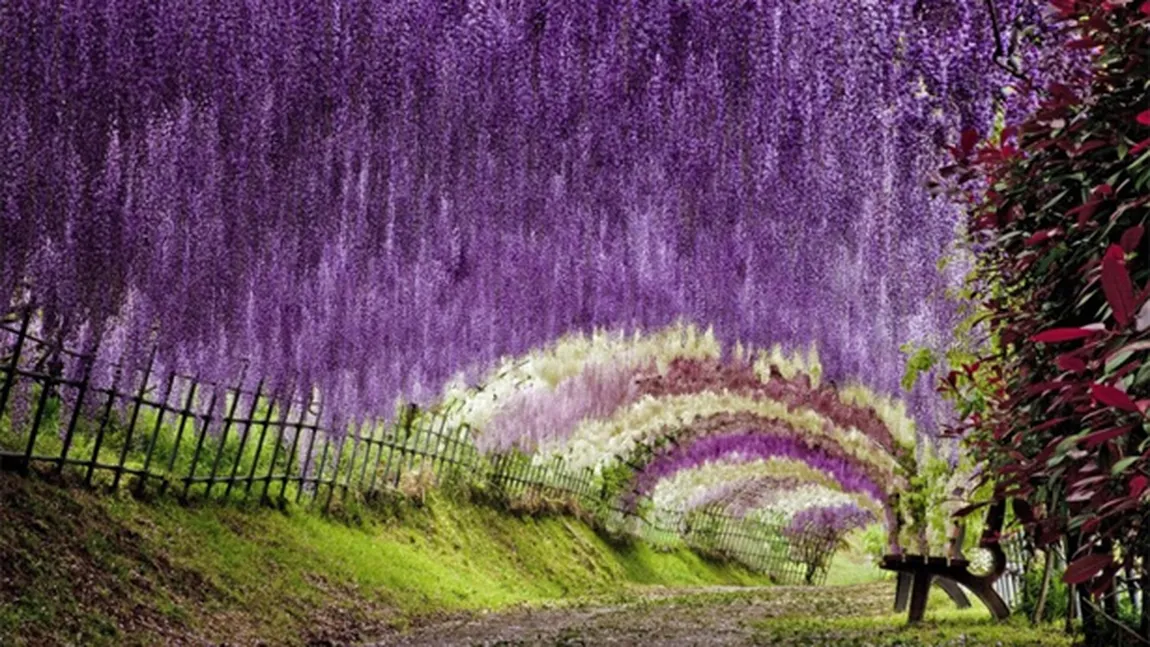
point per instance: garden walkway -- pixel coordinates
(783, 615)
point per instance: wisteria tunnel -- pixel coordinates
(697, 233)
(668, 256)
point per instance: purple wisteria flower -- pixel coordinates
(362, 197)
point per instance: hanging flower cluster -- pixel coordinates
(736, 498)
(692, 376)
(849, 475)
(367, 196)
(650, 420)
(673, 492)
(544, 416)
(829, 523)
(494, 402)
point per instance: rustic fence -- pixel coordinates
(155, 430)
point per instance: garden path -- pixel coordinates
(794, 616)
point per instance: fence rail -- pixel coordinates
(148, 428)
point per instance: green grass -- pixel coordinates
(952, 628)
(82, 568)
(848, 568)
(858, 615)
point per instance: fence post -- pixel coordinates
(427, 455)
(259, 448)
(310, 453)
(200, 443)
(137, 401)
(103, 425)
(409, 419)
(295, 443)
(357, 441)
(244, 436)
(185, 414)
(370, 440)
(335, 472)
(318, 479)
(82, 391)
(228, 420)
(163, 409)
(282, 425)
(38, 417)
(14, 365)
(379, 455)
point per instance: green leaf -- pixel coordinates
(1123, 464)
(1143, 375)
(1055, 200)
(1116, 362)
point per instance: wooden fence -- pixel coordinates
(153, 430)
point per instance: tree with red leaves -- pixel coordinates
(1059, 405)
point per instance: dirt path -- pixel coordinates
(713, 616)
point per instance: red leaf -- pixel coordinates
(1042, 235)
(1080, 496)
(1054, 422)
(1117, 286)
(1138, 485)
(1145, 8)
(1052, 385)
(1089, 146)
(1071, 363)
(1097, 438)
(1144, 118)
(1084, 212)
(1091, 525)
(1055, 335)
(1106, 580)
(1063, 93)
(1112, 397)
(962, 512)
(1086, 567)
(969, 139)
(1131, 237)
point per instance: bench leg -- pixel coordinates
(992, 600)
(902, 591)
(918, 595)
(954, 591)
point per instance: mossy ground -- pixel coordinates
(85, 567)
(826, 625)
(90, 568)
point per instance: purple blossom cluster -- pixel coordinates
(749, 446)
(831, 522)
(540, 415)
(691, 376)
(724, 430)
(363, 197)
(740, 497)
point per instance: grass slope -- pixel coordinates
(78, 567)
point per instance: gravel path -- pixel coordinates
(710, 616)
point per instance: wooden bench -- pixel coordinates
(916, 573)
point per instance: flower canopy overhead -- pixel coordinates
(367, 197)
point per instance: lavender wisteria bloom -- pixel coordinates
(750, 447)
(828, 522)
(366, 196)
